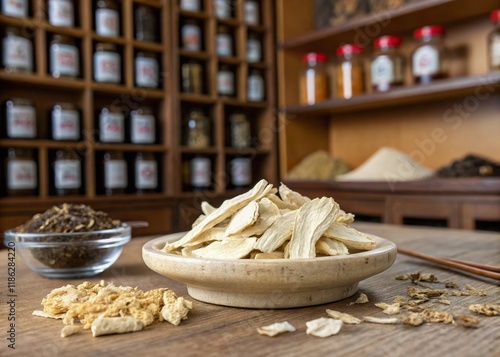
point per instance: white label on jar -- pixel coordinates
(222, 9)
(425, 61)
(146, 175)
(17, 53)
(17, 8)
(200, 172)
(67, 174)
(21, 175)
(115, 174)
(382, 69)
(142, 129)
(107, 67)
(241, 173)
(495, 52)
(255, 88)
(224, 45)
(190, 5)
(146, 72)
(64, 60)
(61, 13)
(251, 12)
(107, 22)
(111, 128)
(225, 82)
(21, 122)
(254, 51)
(191, 37)
(65, 124)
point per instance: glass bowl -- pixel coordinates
(69, 255)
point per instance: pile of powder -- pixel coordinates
(318, 166)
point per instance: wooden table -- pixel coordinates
(221, 331)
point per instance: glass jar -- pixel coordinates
(191, 35)
(19, 119)
(387, 64)
(197, 130)
(107, 18)
(239, 131)
(314, 78)
(254, 48)
(192, 77)
(429, 60)
(61, 13)
(66, 173)
(252, 12)
(146, 70)
(224, 42)
(225, 81)
(190, 5)
(21, 173)
(142, 126)
(107, 63)
(17, 51)
(111, 125)
(145, 173)
(16, 8)
(349, 71)
(145, 24)
(222, 9)
(200, 169)
(64, 57)
(494, 42)
(241, 172)
(65, 122)
(255, 86)
(114, 180)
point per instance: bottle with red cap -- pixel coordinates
(387, 64)
(494, 42)
(314, 78)
(349, 71)
(429, 58)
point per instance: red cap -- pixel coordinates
(387, 41)
(349, 49)
(495, 16)
(315, 56)
(428, 31)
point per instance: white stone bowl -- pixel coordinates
(269, 283)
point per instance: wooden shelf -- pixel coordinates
(199, 55)
(197, 98)
(193, 14)
(234, 61)
(239, 103)
(247, 151)
(42, 81)
(121, 41)
(232, 22)
(121, 89)
(151, 3)
(129, 147)
(189, 150)
(148, 46)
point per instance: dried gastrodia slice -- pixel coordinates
(346, 318)
(111, 325)
(268, 214)
(352, 238)
(323, 327)
(244, 218)
(276, 235)
(276, 328)
(292, 198)
(226, 249)
(331, 247)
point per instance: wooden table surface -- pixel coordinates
(222, 331)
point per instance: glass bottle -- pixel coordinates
(19, 119)
(251, 12)
(222, 9)
(107, 63)
(142, 126)
(107, 18)
(67, 173)
(17, 51)
(494, 42)
(64, 57)
(256, 86)
(224, 42)
(429, 60)
(200, 173)
(314, 78)
(190, 5)
(191, 35)
(145, 173)
(239, 131)
(197, 130)
(145, 24)
(16, 8)
(65, 122)
(387, 65)
(254, 48)
(241, 172)
(146, 70)
(192, 77)
(349, 71)
(111, 124)
(225, 81)
(61, 13)
(114, 179)
(21, 173)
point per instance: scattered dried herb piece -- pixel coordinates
(467, 321)
(469, 291)
(425, 293)
(485, 309)
(451, 284)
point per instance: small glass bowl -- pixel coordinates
(69, 255)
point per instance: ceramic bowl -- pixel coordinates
(269, 283)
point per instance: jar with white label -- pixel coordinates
(146, 70)
(429, 60)
(225, 81)
(65, 122)
(142, 126)
(111, 124)
(254, 48)
(241, 172)
(255, 86)
(16, 8)
(494, 41)
(66, 173)
(21, 173)
(190, 5)
(239, 129)
(114, 173)
(19, 119)
(387, 64)
(223, 42)
(64, 57)
(191, 35)
(61, 13)
(252, 12)
(200, 173)
(107, 63)
(17, 51)
(222, 9)
(145, 173)
(107, 18)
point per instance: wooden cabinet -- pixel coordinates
(167, 102)
(434, 124)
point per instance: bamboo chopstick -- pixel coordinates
(473, 268)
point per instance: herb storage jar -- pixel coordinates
(190, 5)
(225, 81)
(255, 86)
(254, 48)
(387, 65)
(349, 71)
(19, 119)
(241, 172)
(145, 24)
(200, 173)
(16, 8)
(252, 12)
(114, 180)
(111, 124)
(107, 18)
(429, 60)
(65, 122)
(146, 70)
(142, 126)
(494, 42)
(239, 128)
(61, 13)
(21, 173)
(222, 9)
(145, 173)
(224, 42)
(17, 51)
(191, 35)
(192, 77)
(107, 63)
(64, 57)
(197, 130)
(314, 78)
(67, 173)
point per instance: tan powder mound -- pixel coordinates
(318, 166)
(388, 164)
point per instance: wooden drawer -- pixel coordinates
(480, 215)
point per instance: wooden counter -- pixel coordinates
(221, 331)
